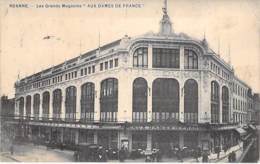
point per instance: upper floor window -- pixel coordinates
(166, 58)
(106, 65)
(116, 62)
(101, 66)
(190, 60)
(140, 57)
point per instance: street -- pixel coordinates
(31, 153)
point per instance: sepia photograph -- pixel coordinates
(130, 81)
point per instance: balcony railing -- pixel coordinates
(108, 116)
(139, 116)
(87, 117)
(164, 116)
(191, 118)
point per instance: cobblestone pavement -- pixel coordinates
(32, 153)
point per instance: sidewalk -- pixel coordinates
(32, 153)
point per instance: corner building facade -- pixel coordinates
(157, 90)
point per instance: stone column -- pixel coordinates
(40, 107)
(61, 135)
(24, 108)
(51, 106)
(32, 111)
(16, 108)
(181, 107)
(220, 104)
(181, 57)
(124, 97)
(97, 102)
(149, 100)
(149, 140)
(150, 56)
(78, 102)
(181, 139)
(95, 137)
(76, 136)
(63, 97)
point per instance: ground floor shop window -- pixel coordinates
(191, 140)
(108, 139)
(165, 141)
(56, 135)
(139, 140)
(86, 137)
(69, 136)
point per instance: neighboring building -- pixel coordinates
(7, 113)
(7, 107)
(156, 90)
(256, 109)
(242, 101)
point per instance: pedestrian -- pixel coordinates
(121, 154)
(197, 154)
(225, 148)
(205, 158)
(233, 156)
(158, 156)
(230, 157)
(217, 150)
(12, 149)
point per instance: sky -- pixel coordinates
(225, 23)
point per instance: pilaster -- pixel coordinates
(97, 103)
(40, 107)
(63, 97)
(181, 105)
(51, 106)
(78, 102)
(32, 111)
(24, 108)
(149, 140)
(149, 101)
(150, 56)
(181, 57)
(220, 104)
(124, 97)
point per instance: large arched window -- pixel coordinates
(70, 103)
(109, 99)
(191, 101)
(28, 106)
(225, 105)
(36, 106)
(190, 59)
(45, 105)
(165, 99)
(214, 102)
(140, 57)
(166, 58)
(21, 106)
(87, 101)
(56, 104)
(140, 100)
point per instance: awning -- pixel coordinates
(241, 131)
(252, 127)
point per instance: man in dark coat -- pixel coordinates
(205, 158)
(121, 155)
